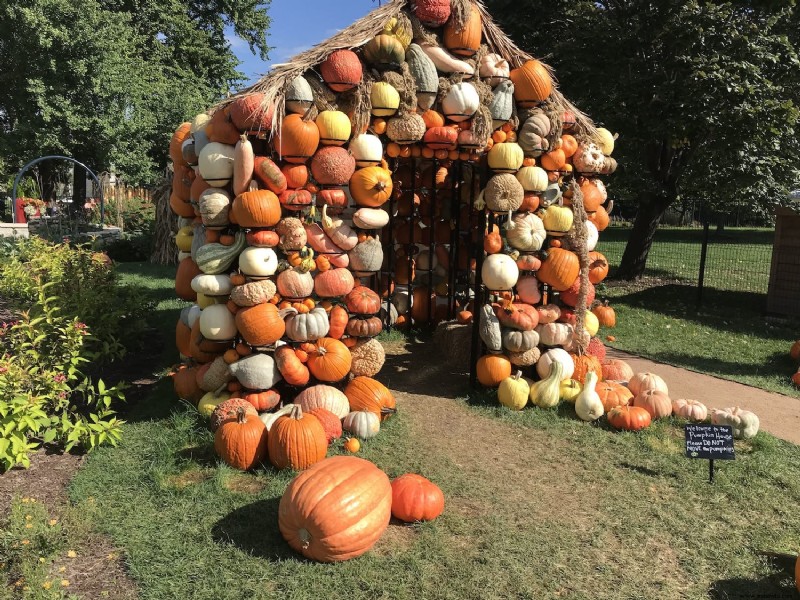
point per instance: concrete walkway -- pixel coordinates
(779, 414)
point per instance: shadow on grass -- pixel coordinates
(778, 363)
(253, 529)
(775, 587)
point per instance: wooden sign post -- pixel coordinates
(714, 442)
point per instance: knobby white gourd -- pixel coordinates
(588, 405)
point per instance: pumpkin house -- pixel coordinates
(417, 167)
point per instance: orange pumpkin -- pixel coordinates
(294, 372)
(336, 510)
(184, 381)
(241, 442)
(467, 40)
(560, 269)
(181, 134)
(338, 322)
(297, 440)
(187, 270)
(296, 175)
(605, 315)
(532, 83)
(365, 393)
(613, 394)
(297, 140)
(330, 360)
(220, 129)
(371, 186)
(342, 70)
(492, 369)
(260, 325)
(598, 267)
(555, 160)
(248, 114)
(415, 498)
(584, 365)
(592, 196)
(269, 174)
(569, 145)
(600, 218)
(629, 418)
(259, 208)
(263, 401)
(363, 301)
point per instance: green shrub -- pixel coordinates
(86, 285)
(45, 396)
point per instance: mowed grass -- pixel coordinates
(539, 505)
(738, 258)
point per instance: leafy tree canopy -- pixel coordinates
(106, 81)
(703, 94)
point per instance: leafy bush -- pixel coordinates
(46, 396)
(87, 288)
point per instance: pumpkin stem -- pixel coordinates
(220, 389)
(295, 412)
(517, 375)
(388, 411)
(380, 186)
(241, 416)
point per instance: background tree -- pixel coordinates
(107, 81)
(703, 95)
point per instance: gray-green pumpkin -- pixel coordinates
(502, 105)
(366, 257)
(425, 76)
(384, 52)
(215, 204)
(299, 96)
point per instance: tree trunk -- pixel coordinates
(164, 250)
(634, 260)
(78, 189)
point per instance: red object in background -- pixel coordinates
(19, 211)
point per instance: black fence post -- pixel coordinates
(703, 251)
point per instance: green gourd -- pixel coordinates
(384, 51)
(216, 258)
(547, 393)
(502, 104)
(424, 72)
(489, 329)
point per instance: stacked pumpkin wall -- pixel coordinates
(418, 177)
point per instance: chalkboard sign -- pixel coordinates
(709, 441)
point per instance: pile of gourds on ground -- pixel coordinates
(598, 386)
(794, 353)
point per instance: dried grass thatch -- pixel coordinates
(577, 238)
(363, 30)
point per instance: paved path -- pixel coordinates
(779, 414)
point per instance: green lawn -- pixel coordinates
(738, 258)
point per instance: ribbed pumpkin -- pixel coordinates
(363, 301)
(365, 393)
(533, 179)
(342, 70)
(384, 52)
(334, 128)
(324, 396)
(656, 402)
(181, 134)
(260, 325)
(332, 165)
(371, 186)
(259, 208)
(598, 268)
(297, 440)
(367, 150)
(461, 102)
(441, 138)
(616, 370)
(187, 270)
(330, 360)
(297, 140)
(336, 510)
(613, 394)
(502, 105)
(492, 369)
(333, 283)
(425, 76)
(467, 40)
(385, 99)
(506, 157)
(241, 442)
(415, 498)
(532, 83)
(560, 269)
(331, 424)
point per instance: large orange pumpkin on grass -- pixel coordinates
(629, 418)
(336, 510)
(241, 441)
(415, 498)
(794, 351)
(297, 440)
(185, 383)
(365, 393)
(492, 369)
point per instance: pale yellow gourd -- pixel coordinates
(588, 405)
(513, 392)
(570, 390)
(547, 393)
(210, 401)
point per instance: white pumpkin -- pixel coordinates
(533, 179)
(256, 372)
(555, 355)
(370, 218)
(182, 255)
(193, 313)
(461, 102)
(362, 423)
(744, 423)
(212, 285)
(494, 69)
(217, 323)
(642, 382)
(367, 149)
(215, 163)
(324, 396)
(606, 140)
(689, 409)
(554, 334)
(299, 96)
(259, 262)
(592, 236)
(499, 272)
(526, 232)
(309, 326)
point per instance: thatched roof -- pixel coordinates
(273, 84)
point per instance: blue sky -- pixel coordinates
(296, 26)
